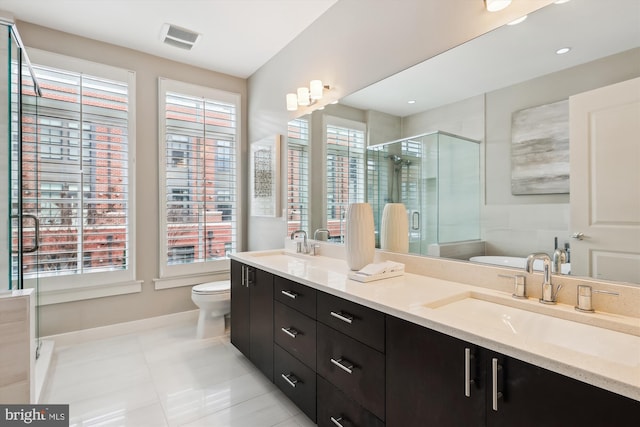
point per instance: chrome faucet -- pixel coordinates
(548, 296)
(301, 247)
(321, 230)
(559, 258)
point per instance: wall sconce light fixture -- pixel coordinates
(305, 96)
(496, 5)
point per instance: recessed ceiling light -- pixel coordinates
(411, 102)
(517, 21)
(563, 50)
(561, 1)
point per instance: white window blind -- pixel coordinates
(199, 189)
(345, 173)
(298, 176)
(75, 173)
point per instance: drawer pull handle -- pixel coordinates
(338, 421)
(343, 316)
(290, 331)
(343, 364)
(495, 368)
(290, 294)
(291, 379)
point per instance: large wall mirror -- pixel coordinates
(479, 91)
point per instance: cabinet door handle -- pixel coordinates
(290, 294)
(290, 331)
(249, 271)
(343, 364)
(244, 275)
(468, 380)
(345, 317)
(338, 421)
(291, 379)
(495, 367)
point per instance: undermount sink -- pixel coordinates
(537, 327)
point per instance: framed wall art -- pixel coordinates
(540, 149)
(264, 178)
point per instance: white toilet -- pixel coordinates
(214, 301)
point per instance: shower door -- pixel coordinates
(21, 164)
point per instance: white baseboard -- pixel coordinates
(101, 332)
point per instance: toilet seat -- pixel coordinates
(212, 288)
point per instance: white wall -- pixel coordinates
(354, 44)
(58, 318)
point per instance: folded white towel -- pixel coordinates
(381, 268)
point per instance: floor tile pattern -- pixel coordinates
(165, 377)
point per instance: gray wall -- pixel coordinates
(57, 318)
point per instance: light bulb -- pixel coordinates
(303, 96)
(316, 88)
(292, 102)
(496, 5)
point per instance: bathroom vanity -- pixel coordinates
(416, 350)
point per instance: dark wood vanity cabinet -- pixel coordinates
(434, 379)
(294, 332)
(426, 378)
(346, 364)
(252, 315)
(350, 358)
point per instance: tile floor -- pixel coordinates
(165, 377)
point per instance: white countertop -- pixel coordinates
(556, 337)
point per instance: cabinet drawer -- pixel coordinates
(295, 295)
(333, 404)
(296, 333)
(356, 369)
(296, 381)
(357, 321)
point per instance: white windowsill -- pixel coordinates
(190, 280)
(57, 296)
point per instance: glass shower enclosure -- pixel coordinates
(20, 236)
(437, 177)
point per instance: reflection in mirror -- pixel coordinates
(475, 89)
(437, 177)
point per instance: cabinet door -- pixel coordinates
(426, 378)
(533, 396)
(261, 325)
(239, 308)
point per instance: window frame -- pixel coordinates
(73, 287)
(177, 275)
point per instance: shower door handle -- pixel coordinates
(36, 243)
(415, 220)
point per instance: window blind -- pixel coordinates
(200, 185)
(345, 174)
(298, 176)
(75, 173)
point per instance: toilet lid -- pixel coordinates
(212, 287)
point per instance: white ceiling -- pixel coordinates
(238, 36)
(508, 55)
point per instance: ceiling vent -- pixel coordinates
(179, 37)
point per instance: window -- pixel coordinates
(199, 137)
(345, 145)
(298, 175)
(77, 157)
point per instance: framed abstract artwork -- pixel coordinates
(264, 178)
(540, 149)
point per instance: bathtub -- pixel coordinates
(515, 262)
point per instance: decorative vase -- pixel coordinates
(359, 239)
(394, 228)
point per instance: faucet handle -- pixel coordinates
(585, 295)
(519, 285)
